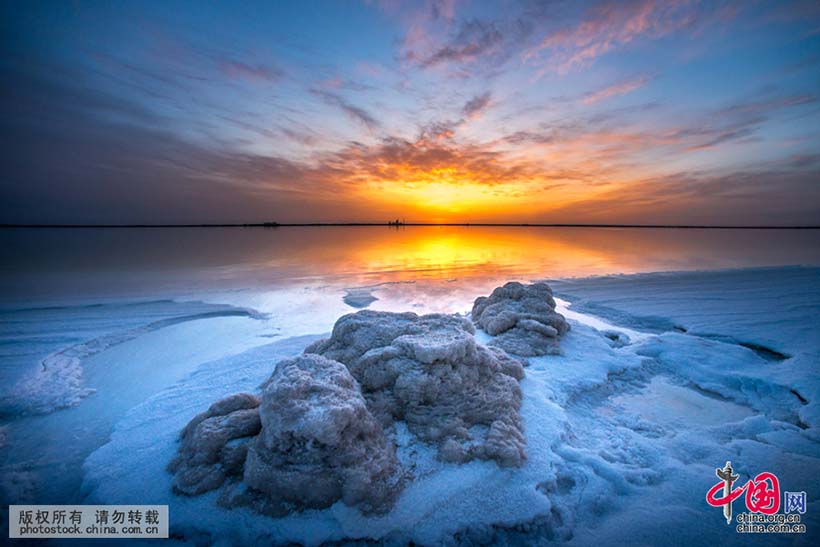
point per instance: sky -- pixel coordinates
(639, 112)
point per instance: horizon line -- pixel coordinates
(402, 224)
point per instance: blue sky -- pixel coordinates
(622, 112)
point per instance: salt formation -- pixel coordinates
(214, 444)
(310, 442)
(521, 318)
(319, 443)
(321, 430)
(430, 372)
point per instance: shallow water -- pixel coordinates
(48, 264)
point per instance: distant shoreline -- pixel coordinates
(273, 225)
(404, 224)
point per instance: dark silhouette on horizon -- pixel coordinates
(396, 223)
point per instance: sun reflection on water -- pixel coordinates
(127, 261)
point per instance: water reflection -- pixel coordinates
(53, 262)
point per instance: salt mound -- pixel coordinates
(430, 372)
(321, 431)
(310, 442)
(319, 443)
(521, 318)
(214, 444)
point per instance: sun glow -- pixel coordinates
(446, 196)
(449, 193)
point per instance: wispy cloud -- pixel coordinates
(438, 131)
(473, 40)
(445, 130)
(255, 73)
(301, 137)
(615, 90)
(735, 122)
(354, 112)
(429, 43)
(154, 169)
(607, 135)
(476, 106)
(703, 198)
(431, 9)
(609, 26)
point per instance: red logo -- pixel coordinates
(762, 492)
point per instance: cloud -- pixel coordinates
(476, 106)
(612, 25)
(474, 39)
(354, 112)
(438, 131)
(301, 137)
(96, 161)
(395, 160)
(746, 197)
(608, 136)
(426, 45)
(801, 161)
(338, 82)
(239, 70)
(119, 171)
(615, 90)
(110, 171)
(443, 9)
(433, 9)
(444, 130)
(740, 120)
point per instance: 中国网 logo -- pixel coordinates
(762, 498)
